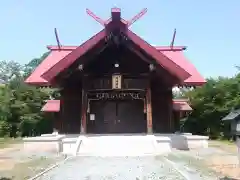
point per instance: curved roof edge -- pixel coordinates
(176, 54)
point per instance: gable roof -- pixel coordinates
(51, 106)
(54, 57)
(58, 60)
(163, 60)
(181, 105)
(179, 58)
(175, 53)
(232, 115)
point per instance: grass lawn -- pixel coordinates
(12, 168)
(28, 169)
(224, 145)
(7, 142)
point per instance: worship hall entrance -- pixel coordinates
(116, 115)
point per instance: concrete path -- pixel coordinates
(122, 168)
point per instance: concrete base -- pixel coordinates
(123, 145)
(44, 143)
(69, 144)
(115, 145)
(162, 144)
(186, 141)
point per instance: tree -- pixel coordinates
(211, 103)
(29, 67)
(20, 104)
(9, 70)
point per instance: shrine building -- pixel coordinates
(115, 82)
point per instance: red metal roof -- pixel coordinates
(175, 53)
(181, 105)
(66, 61)
(179, 58)
(163, 60)
(51, 106)
(58, 60)
(36, 77)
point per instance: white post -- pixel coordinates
(238, 148)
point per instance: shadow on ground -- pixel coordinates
(227, 178)
(3, 178)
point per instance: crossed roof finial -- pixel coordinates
(118, 11)
(116, 14)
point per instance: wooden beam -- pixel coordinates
(173, 38)
(63, 76)
(95, 17)
(160, 71)
(140, 55)
(57, 38)
(84, 109)
(137, 17)
(149, 111)
(170, 105)
(116, 14)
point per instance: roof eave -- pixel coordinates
(164, 61)
(71, 57)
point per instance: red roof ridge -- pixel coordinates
(168, 48)
(55, 47)
(160, 48)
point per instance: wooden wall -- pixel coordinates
(161, 107)
(103, 66)
(70, 113)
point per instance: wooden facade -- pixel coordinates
(115, 82)
(91, 104)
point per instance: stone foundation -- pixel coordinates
(44, 143)
(163, 144)
(70, 144)
(186, 142)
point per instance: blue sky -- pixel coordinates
(210, 29)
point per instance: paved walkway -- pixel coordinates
(122, 168)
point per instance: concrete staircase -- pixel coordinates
(116, 145)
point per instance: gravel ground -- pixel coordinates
(178, 165)
(121, 168)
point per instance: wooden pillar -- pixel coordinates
(57, 122)
(84, 109)
(149, 111)
(170, 116)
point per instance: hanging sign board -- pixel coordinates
(117, 95)
(116, 81)
(238, 127)
(92, 117)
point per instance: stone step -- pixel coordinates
(117, 145)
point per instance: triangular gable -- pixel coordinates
(175, 53)
(163, 60)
